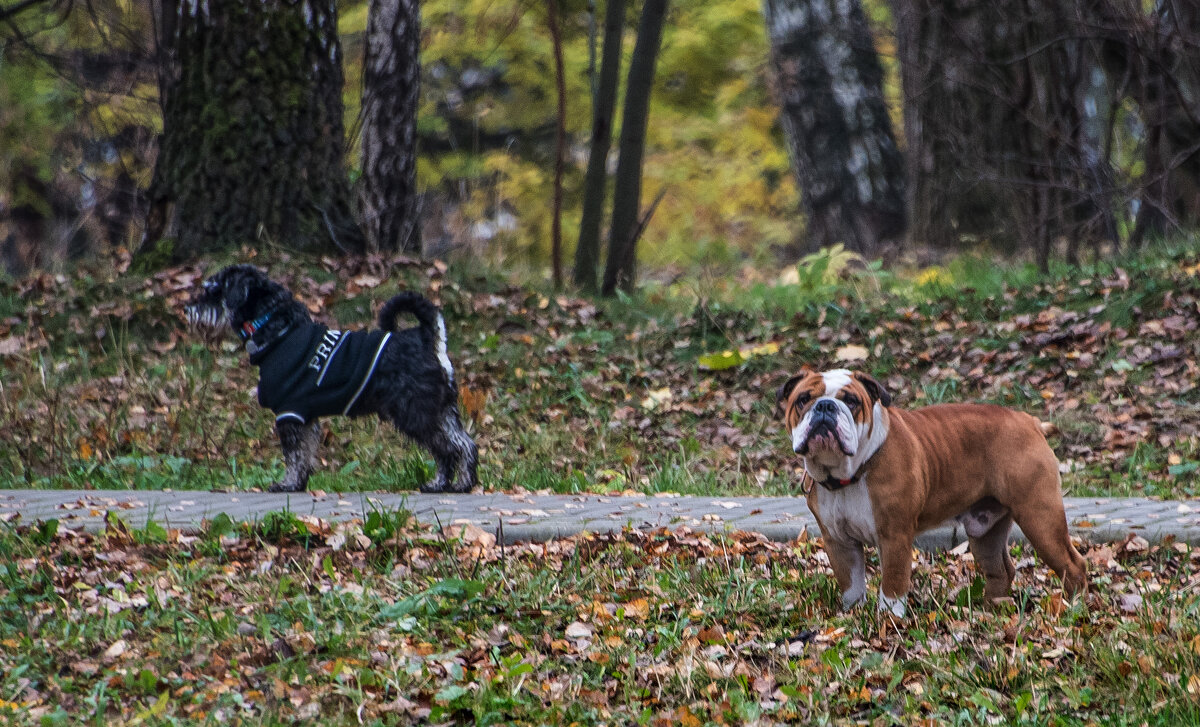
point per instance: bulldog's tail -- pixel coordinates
(432, 325)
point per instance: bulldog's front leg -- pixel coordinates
(895, 560)
(849, 568)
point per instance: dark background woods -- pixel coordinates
(1040, 127)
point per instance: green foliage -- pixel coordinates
(382, 525)
(44, 532)
(820, 272)
(34, 107)
(56, 122)
(216, 528)
(152, 533)
(710, 111)
(283, 527)
(442, 597)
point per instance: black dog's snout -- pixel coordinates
(826, 407)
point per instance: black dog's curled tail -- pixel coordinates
(433, 326)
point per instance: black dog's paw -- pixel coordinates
(285, 487)
(438, 484)
(434, 486)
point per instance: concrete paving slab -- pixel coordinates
(529, 517)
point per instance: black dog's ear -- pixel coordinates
(242, 284)
(874, 388)
(237, 293)
(785, 391)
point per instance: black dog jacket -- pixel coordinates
(314, 371)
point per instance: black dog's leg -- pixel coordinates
(468, 454)
(455, 454)
(445, 457)
(299, 443)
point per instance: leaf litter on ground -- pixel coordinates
(105, 386)
(638, 625)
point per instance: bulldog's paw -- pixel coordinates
(853, 597)
(895, 606)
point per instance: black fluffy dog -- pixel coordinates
(307, 371)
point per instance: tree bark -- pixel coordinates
(620, 269)
(252, 144)
(1157, 53)
(560, 145)
(391, 94)
(1001, 146)
(604, 101)
(829, 85)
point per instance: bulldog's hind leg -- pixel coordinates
(1044, 522)
(990, 551)
(299, 443)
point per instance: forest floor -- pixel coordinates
(385, 621)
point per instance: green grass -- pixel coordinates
(268, 624)
(110, 391)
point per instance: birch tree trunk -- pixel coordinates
(252, 144)
(391, 94)
(829, 86)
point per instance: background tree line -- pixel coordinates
(743, 132)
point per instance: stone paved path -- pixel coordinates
(542, 517)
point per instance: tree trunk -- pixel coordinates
(252, 131)
(1004, 140)
(829, 86)
(620, 268)
(560, 145)
(1157, 53)
(587, 251)
(391, 93)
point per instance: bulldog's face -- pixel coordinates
(832, 415)
(229, 297)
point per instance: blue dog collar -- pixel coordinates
(249, 328)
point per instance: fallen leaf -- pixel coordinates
(579, 630)
(638, 609)
(115, 650)
(850, 353)
(719, 361)
(1129, 602)
(656, 398)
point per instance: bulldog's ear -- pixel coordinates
(874, 388)
(785, 391)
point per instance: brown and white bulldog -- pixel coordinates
(886, 474)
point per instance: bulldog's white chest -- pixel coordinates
(846, 514)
